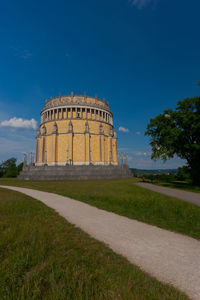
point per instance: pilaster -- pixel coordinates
(70, 143)
(87, 144)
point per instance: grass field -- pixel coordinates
(44, 257)
(180, 185)
(124, 198)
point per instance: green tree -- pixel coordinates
(177, 132)
(8, 168)
(183, 173)
(20, 167)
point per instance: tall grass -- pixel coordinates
(124, 198)
(44, 257)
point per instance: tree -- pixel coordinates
(177, 132)
(8, 168)
(183, 174)
(20, 167)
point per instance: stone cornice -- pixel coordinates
(78, 133)
(75, 119)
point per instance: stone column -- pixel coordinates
(76, 112)
(87, 144)
(90, 113)
(54, 143)
(95, 114)
(102, 149)
(36, 150)
(43, 149)
(114, 148)
(53, 114)
(43, 143)
(81, 112)
(110, 149)
(70, 137)
(101, 144)
(71, 112)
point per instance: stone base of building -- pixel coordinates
(74, 172)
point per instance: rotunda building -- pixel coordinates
(76, 130)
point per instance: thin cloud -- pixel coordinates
(21, 53)
(140, 4)
(138, 132)
(141, 159)
(123, 129)
(19, 123)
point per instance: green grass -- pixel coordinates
(124, 198)
(44, 257)
(180, 185)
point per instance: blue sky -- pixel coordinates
(141, 55)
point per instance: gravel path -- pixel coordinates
(170, 257)
(180, 194)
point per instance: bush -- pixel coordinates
(183, 174)
(8, 168)
(11, 173)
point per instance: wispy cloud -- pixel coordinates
(19, 123)
(141, 153)
(138, 132)
(123, 129)
(21, 52)
(15, 147)
(140, 4)
(142, 159)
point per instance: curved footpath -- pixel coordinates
(170, 257)
(190, 197)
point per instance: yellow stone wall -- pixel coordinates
(76, 147)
